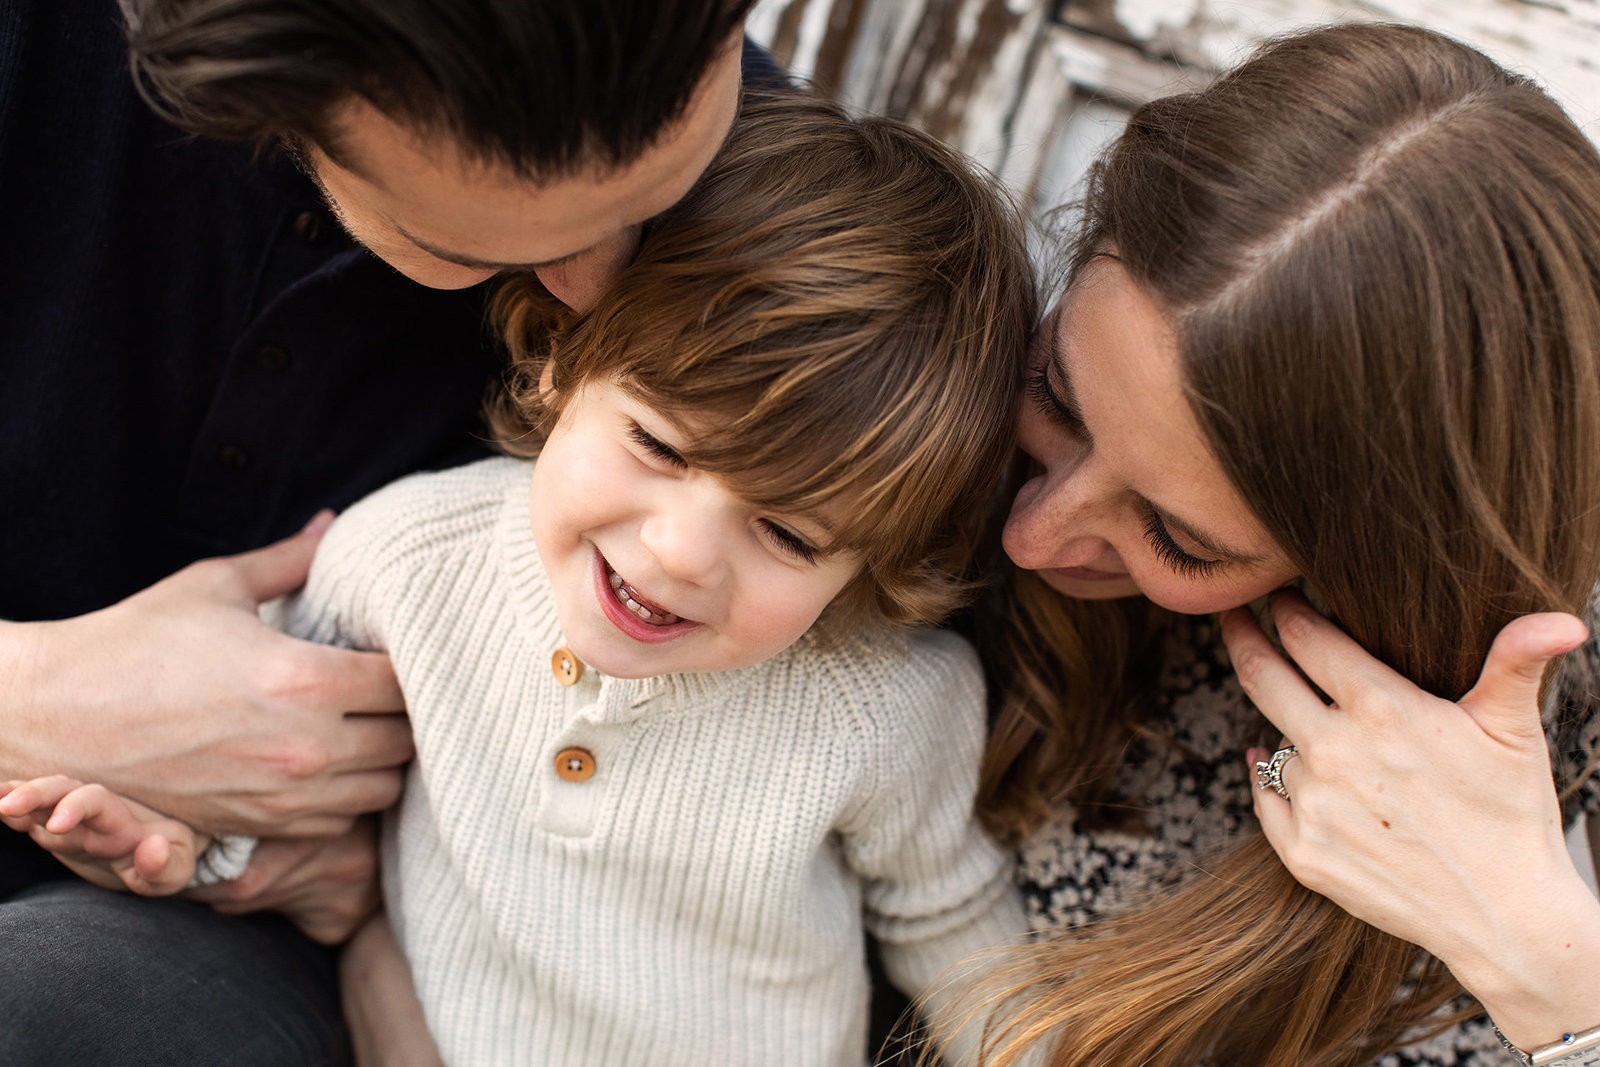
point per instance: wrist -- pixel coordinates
(21, 668)
(1538, 977)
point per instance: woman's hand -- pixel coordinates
(1433, 820)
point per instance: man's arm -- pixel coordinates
(180, 697)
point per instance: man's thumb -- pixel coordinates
(282, 566)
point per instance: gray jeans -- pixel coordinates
(115, 980)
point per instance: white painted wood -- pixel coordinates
(1032, 98)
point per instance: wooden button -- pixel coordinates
(575, 764)
(568, 668)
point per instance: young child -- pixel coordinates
(675, 740)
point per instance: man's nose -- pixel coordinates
(579, 280)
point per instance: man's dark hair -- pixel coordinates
(542, 86)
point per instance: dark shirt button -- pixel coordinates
(233, 457)
(309, 227)
(272, 358)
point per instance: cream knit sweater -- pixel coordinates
(700, 899)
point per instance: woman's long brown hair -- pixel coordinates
(1381, 255)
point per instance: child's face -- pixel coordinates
(717, 583)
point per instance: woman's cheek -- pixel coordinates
(1204, 596)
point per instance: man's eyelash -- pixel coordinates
(655, 446)
(1171, 553)
(1048, 403)
(789, 541)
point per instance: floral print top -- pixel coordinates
(1200, 803)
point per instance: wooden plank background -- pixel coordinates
(1033, 88)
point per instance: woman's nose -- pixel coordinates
(1059, 519)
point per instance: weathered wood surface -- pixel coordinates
(1032, 88)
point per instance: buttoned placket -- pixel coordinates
(584, 763)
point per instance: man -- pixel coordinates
(196, 358)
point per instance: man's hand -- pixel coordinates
(328, 885)
(181, 697)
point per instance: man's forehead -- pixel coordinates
(382, 149)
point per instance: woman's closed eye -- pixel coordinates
(1174, 555)
(1051, 404)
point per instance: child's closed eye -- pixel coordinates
(654, 447)
(790, 542)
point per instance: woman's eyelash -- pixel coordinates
(789, 541)
(1171, 553)
(655, 446)
(1047, 402)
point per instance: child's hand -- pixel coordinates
(105, 838)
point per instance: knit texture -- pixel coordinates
(700, 899)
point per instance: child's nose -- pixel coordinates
(689, 545)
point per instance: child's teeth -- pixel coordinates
(624, 596)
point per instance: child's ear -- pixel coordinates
(547, 380)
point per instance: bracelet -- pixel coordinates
(1581, 1049)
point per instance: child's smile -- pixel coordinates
(637, 602)
(634, 614)
(657, 567)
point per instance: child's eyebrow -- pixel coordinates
(821, 521)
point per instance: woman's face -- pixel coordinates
(1126, 496)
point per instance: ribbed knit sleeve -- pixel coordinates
(384, 543)
(935, 887)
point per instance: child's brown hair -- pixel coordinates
(847, 301)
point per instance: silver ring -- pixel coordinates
(1269, 772)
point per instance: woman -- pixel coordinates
(1337, 319)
